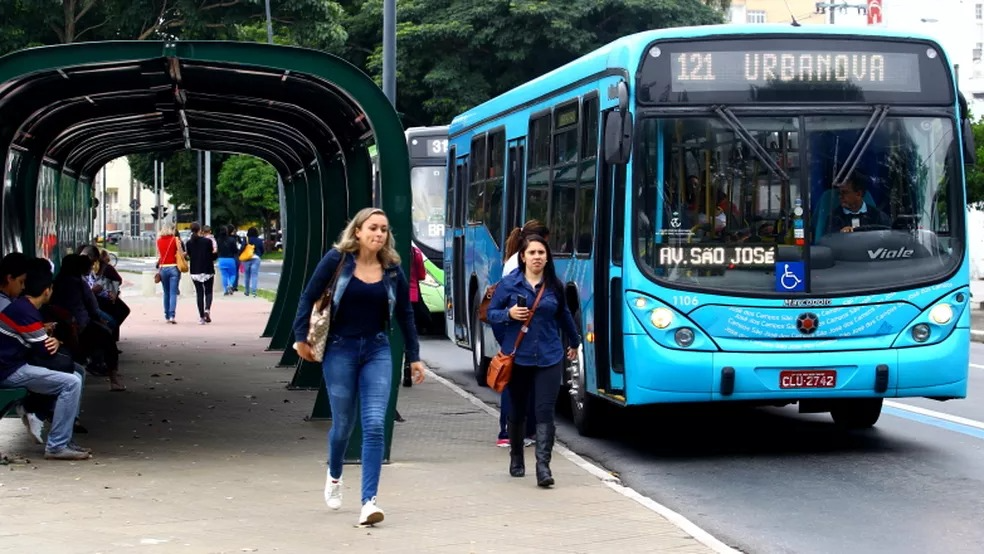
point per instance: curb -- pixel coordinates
(609, 479)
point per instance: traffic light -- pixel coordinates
(158, 212)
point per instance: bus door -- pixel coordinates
(514, 187)
(458, 281)
(608, 236)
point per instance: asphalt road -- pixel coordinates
(269, 270)
(771, 480)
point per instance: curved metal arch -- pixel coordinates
(297, 117)
(304, 150)
(87, 130)
(50, 122)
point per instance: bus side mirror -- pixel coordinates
(618, 137)
(969, 147)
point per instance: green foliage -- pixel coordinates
(454, 54)
(975, 175)
(311, 23)
(251, 186)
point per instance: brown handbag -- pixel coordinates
(500, 368)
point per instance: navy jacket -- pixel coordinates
(397, 289)
(541, 346)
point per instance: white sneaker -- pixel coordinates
(32, 422)
(371, 514)
(333, 493)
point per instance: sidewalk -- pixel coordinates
(208, 452)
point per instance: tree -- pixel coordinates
(975, 175)
(251, 186)
(454, 54)
(311, 23)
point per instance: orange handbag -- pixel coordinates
(500, 368)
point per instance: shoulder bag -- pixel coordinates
(179, 257)
(320, 320)
(500, 368)
(247, 253)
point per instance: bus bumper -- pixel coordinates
(654, 374)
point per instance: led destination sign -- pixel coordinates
(874, 71)
(794, 69)
(750, 256)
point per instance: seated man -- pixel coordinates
(853, 211)
(22, 334)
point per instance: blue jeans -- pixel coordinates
(358, 371)
(251, 274)
(169, 282)
(227, 267)
(66, 386)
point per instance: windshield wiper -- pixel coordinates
(739, 129)
(867, 134)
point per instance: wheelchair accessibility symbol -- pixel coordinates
(790, 277)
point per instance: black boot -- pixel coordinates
(544, 447)
(517, 465)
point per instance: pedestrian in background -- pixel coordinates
(369, 290)
(418, 272)
(227, 251)
(539, 360)
(251, 266)
(201, 263)
(167, 263)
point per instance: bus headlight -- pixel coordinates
(684, 336)
(941, 314)
(661, 318)
(920, 333)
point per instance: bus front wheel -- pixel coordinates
(860, 413)
(479, 360)
(586, 410)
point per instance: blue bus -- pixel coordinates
(762, 214)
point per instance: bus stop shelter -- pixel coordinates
(67, 110)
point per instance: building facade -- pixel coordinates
(116, 202)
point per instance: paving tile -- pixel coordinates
(207, 452)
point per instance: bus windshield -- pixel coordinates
(427, 184)
(713, 213)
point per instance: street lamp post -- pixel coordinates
(389, 50)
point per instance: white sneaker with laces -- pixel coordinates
(333, 493)
(32, 422)
(371, 514)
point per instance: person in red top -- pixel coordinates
(168, 246)
(418, 272)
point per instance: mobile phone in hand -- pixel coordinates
(521, 301)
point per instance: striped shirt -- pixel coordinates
(21, 330)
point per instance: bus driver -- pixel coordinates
(853, 211)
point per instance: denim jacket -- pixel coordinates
(397, 290)
(541, 346)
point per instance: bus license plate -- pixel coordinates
(819, 379)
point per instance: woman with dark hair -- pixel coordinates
(228, 256)
(511, 256)
(515, 240)
(251, 266)
(95, 339)
(201, 261)
(533, 290)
